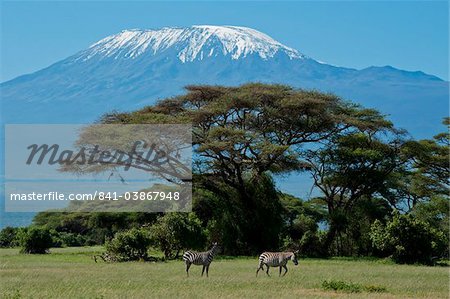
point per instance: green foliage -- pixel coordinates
(338, 285)
(174, 232)
(374, 289)
(426, 173)
(300, 230)
(408, 240)
(35, 240)
(312, 244)
(129, 245)
(236, 220)
(294, 207)
(349, 287)
(301, 233)
(432, 159)
(8, 237)
(436, 212)
(63, 239)
(354, 227)
(302, 225)
(353, 166)
(89, 228)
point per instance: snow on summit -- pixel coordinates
(193, 43)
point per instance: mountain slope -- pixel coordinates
(134, 68)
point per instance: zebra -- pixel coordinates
(200, 258)
(276, 259)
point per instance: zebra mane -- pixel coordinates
(290, 254)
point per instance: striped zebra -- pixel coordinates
(200, 258)
(276, 259)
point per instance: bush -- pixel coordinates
(174, 232)
(408, 240)
(338, 285)
(348, 287)
(8, 237)
(374, 289)
(97, 236)
(63, 239)
(35, 240)
(71, 239)
(129, 245)
(312, 244)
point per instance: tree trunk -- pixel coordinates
(331, 236)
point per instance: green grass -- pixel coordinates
(71, 273)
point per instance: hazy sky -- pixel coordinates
(406, 35)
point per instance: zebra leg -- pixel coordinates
(203, 270)
(267, 271)
(188, 265)
(285, 269)
(257, 270)
(207, 270)
(280, 270)
(260, 266)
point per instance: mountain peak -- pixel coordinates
(191, 43)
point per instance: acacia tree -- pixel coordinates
(425, 174)
(255, 128)
(353, 166)
(433, 160)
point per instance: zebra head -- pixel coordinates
(215, 248)
(294, 257)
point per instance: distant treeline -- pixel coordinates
(381, 193)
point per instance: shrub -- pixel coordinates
(374, 289)
(129, 245)
(338, 285)
(56, 241)
(63, 239)
(35, 240)
(8, 237)
(174, 232)
(97, 236)
(349, 287)
(312, 244)
(408, 240)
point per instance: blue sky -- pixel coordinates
(406, 35)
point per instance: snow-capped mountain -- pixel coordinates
(133, 68)
(194, 43)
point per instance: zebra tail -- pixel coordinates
(261, 262)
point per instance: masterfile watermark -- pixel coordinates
(98, 168)
(53, 154)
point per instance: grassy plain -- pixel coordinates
(71, 273)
